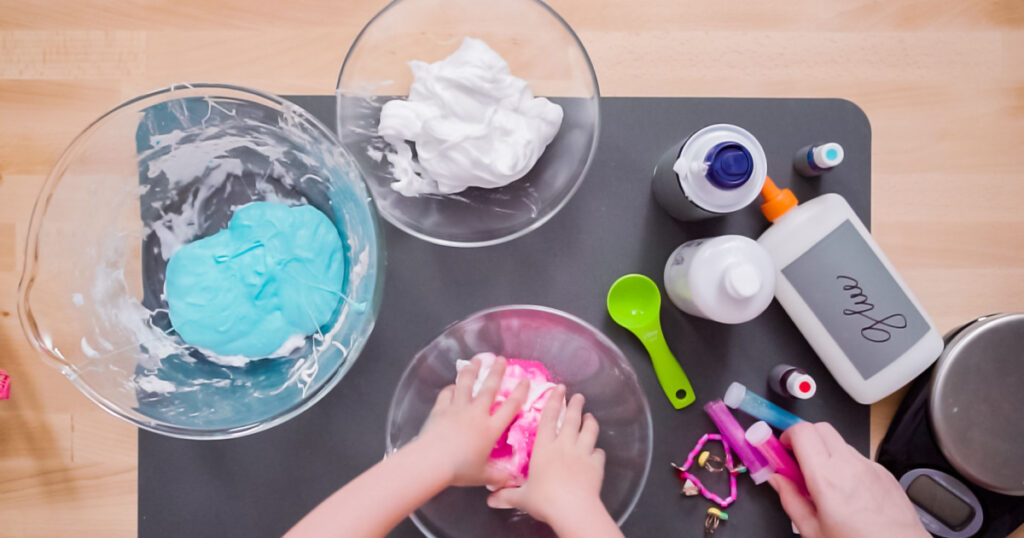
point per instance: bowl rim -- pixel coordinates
(533, 225)
(54, 358)
(600, 336)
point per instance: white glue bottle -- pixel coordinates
(728, 279)
(845, 296)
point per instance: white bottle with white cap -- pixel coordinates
(728, 279)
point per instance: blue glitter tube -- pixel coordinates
(738, 397)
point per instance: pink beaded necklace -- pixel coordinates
(690, 478)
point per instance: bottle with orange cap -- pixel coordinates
(844, 295)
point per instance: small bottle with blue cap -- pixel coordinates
(715, 171)
(816, 159)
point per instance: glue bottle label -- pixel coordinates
(857, 300)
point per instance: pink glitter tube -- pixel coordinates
(732, 432)
(760, 436)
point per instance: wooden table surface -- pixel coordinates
(942, 82)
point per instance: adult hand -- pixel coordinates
(850, 495)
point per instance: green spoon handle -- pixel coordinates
(671, 376)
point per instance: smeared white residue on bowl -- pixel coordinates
(153, 384)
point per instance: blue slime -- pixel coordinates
(275, 273)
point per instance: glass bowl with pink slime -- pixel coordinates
(576, 354)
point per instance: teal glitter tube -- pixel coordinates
(738, 397)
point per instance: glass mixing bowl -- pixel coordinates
(577, 355)
(153, 174)
(539, 47)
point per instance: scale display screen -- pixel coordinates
(946, 506)
(941, 503)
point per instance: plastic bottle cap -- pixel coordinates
(758, 433)
(827, 155)
(801, 386)
(730, 165)
(734, 395)
(776, 201)
(742, 280)
(762, 475)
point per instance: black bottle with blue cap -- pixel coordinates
(816, 159)
(715, 171)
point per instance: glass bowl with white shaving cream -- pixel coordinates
(155, 173)
(537, 47)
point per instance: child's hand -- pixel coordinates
(564, 484)
(851, 496)
(461, 430)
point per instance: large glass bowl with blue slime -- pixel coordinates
(156, 173)
(577, 355)
(540, 48)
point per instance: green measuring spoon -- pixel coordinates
(635, 303)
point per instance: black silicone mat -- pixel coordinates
(262, 484)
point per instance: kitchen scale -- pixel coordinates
(955, 443)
